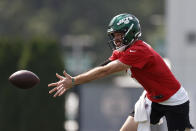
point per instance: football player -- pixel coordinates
(167, 96)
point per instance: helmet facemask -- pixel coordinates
(112, 42)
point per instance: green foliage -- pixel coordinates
(58, 18)
(33, 109)
(47, 17)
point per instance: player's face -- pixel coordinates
(118, 38)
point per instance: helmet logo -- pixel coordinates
(125, 20)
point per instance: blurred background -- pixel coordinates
(48, 36)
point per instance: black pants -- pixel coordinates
(177, 117)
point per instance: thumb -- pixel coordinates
(66, 75)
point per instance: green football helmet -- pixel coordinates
(127, 24)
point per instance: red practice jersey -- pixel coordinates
(150, 70)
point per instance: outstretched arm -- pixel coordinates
(67, 81)
(100, 72)
(105, 62)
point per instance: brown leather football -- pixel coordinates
(24, 79)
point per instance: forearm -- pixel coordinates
(100, 72)
(105, 62)
(93, 74)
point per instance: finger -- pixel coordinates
(58, 92)
(60, 77)
(59, 86)
(53, 84)
(62, 92)
(61, 82)
(53, 90)
(66, 75)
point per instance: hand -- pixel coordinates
(62, 85)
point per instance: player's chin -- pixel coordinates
(118, 44)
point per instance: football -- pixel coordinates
(24, 79)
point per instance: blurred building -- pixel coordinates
(105, 107)
(181, 45)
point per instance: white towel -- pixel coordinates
(142, 113)
(140, 110)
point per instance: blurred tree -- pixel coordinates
(48, 17)
(58, 18)
(33, 109)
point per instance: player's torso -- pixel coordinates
(150, 70)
